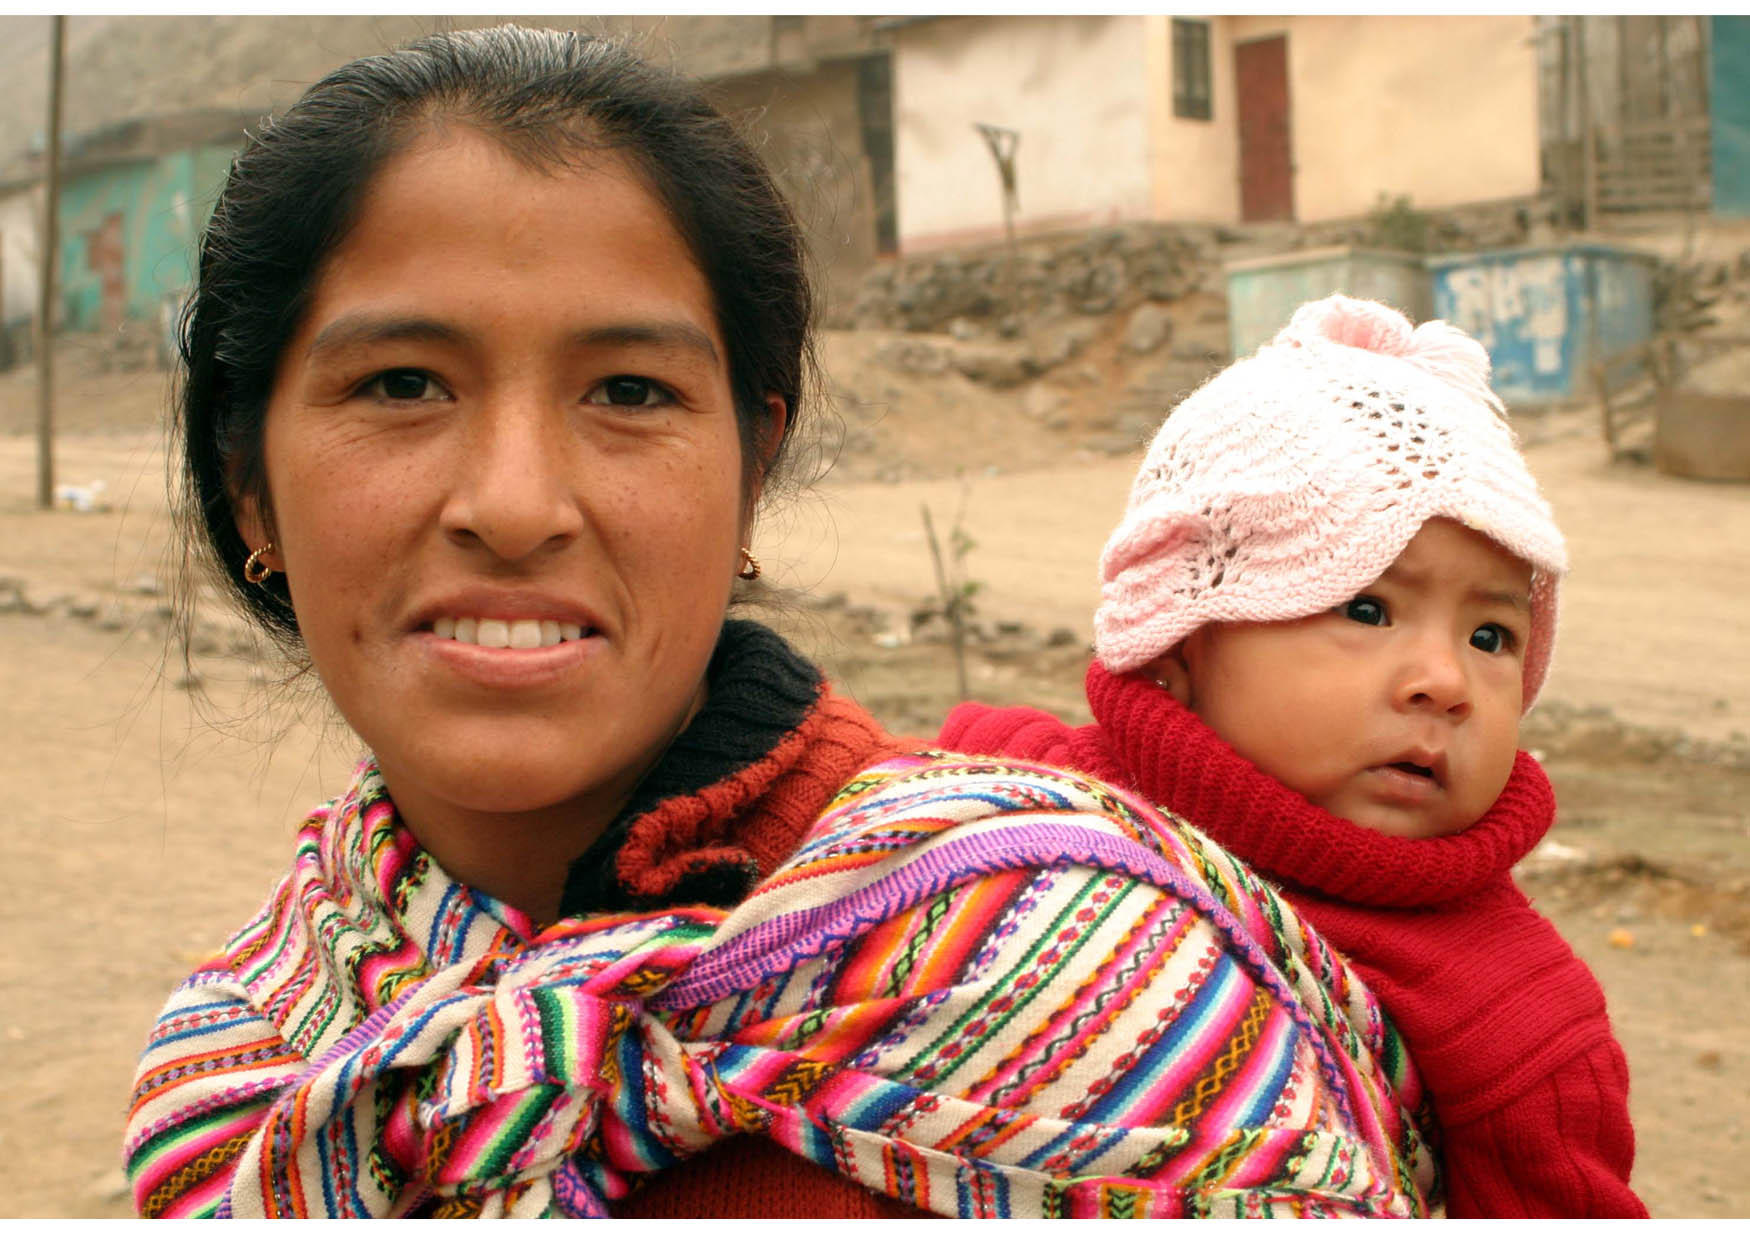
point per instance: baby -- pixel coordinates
(1330, 600)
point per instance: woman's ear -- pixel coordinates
(767, 443)
(772, 438)
(254, 528)
(1171, 672)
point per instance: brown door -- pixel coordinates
(1266, 153)
(103, 252)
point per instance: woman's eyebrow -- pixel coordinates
(669, 334)
(351, 330)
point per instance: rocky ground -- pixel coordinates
(149, 797)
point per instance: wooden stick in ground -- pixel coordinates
(951, 604)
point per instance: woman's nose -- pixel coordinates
(513, 492)
(1434, 679)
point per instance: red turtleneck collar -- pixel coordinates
(1145, 740)
(1174, 758)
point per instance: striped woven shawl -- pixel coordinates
(980, 988)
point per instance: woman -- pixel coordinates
(497, 343)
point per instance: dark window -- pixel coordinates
(1191, 88)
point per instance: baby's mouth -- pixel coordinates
(1431, 773)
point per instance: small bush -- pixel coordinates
(1396, 225)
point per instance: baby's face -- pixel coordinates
(1398, 710)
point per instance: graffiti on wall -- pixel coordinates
(1546, 316)
(1521, 305)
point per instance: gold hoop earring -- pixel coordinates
(750, 570)
(255, 571)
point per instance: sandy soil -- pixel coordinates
(147, 822)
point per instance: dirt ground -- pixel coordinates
(147, 821)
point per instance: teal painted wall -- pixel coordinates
(163, 204)
(1729, 86)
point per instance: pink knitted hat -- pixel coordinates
(1291, 480)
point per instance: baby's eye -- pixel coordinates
(1494, 639)
(1364, 610)
(628, 390)
(403, 384)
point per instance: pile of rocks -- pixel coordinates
(1107, 270)
(1087, 273)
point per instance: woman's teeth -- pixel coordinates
(507, 634)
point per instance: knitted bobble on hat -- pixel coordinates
(1436, 346)
(1351, 321)
(1291, 480)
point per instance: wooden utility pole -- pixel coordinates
(50, 251)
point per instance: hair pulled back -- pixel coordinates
(550, 98)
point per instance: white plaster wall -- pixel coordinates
(20, 222)
(1443, 109)
(1194, 165)
(1076, 88)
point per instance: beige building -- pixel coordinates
(1209, 119)
(21, 209)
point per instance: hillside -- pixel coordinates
(119, 67)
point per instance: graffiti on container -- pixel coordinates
(1514, 304)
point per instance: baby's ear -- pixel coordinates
(1171, 673)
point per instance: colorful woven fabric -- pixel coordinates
(986, 989)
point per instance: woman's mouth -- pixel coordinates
(497, 634)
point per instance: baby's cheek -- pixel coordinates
(1496, 770)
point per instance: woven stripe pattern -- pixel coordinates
(985, 989)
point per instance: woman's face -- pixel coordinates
(506, 482)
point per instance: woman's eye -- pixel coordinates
(1492, 638)
(629, 390)
(404, 385)
(1365, 611)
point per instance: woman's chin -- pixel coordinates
(517, 783)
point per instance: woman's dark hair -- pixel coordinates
(549, 97)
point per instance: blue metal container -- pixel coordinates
(1263, 292)
(1546, 313)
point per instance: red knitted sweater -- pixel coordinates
(1507, 1027)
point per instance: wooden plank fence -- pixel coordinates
(1657, 165)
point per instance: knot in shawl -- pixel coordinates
(980, 988)
(509, 1087)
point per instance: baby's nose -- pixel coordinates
(1434, 679)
